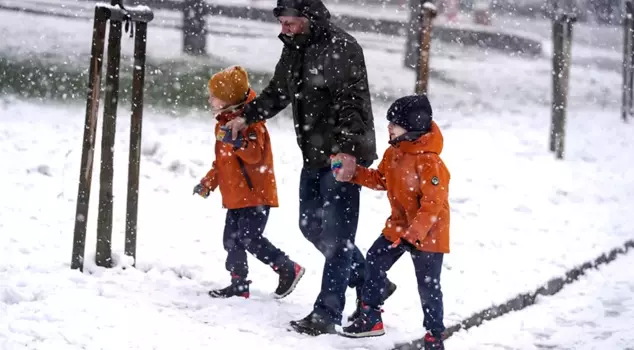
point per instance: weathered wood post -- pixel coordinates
(106, 173)
(117, 15)
(136, 122)
(428, 13)
(90, 134)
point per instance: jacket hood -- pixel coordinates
(314, 10)
(235, 111)
(430, 142)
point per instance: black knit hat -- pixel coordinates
(412, 113)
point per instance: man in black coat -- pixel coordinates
(322, 75)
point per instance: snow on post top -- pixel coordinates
(106, 5)
(430, 6)
(140, 8)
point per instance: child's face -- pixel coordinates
(395, 130)
(216, 104)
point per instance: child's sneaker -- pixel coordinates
(433, 343)
(391, 288)
(239, 287)
(368, 324)
(289, 277)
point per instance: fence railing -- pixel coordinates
(195, 27)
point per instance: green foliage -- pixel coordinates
(170, 84)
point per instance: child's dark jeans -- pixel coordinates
(243, 233)
(380, 258)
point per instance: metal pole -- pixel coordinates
(88, 145)
(134, 162)
(106, 175)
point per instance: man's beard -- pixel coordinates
(299, 39)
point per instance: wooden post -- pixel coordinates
(88, 145)
(136, 122)
(194, 27)
(428, 13)
(562, 40)
(106, 174)
(140, 15)
(628, 69)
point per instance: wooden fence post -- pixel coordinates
(88, 145)
(428, 13)
(136, 122)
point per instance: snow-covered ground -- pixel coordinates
(519, 217)
(595, 313)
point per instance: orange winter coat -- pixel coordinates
(245, 176)
(417, 184)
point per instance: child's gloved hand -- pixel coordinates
(335, 165)
(409, 239)
(202, 190)
(225, 136)
(343, 166)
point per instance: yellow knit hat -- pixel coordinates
(230, 85)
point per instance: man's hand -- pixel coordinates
(225, 136)
(345, 166)
(236, 125)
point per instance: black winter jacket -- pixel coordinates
(325, 80)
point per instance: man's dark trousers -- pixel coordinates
(243, 232)
(329, 214)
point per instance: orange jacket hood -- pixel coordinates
(237, 110)
(430, 142)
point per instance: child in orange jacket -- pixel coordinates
(243, 170)
(417, 185)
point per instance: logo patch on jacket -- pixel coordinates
(435, 181)
(221, 134)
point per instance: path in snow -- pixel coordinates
(597, 312)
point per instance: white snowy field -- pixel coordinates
(596, 312)
(519, 217)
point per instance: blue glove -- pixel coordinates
(225, 136)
